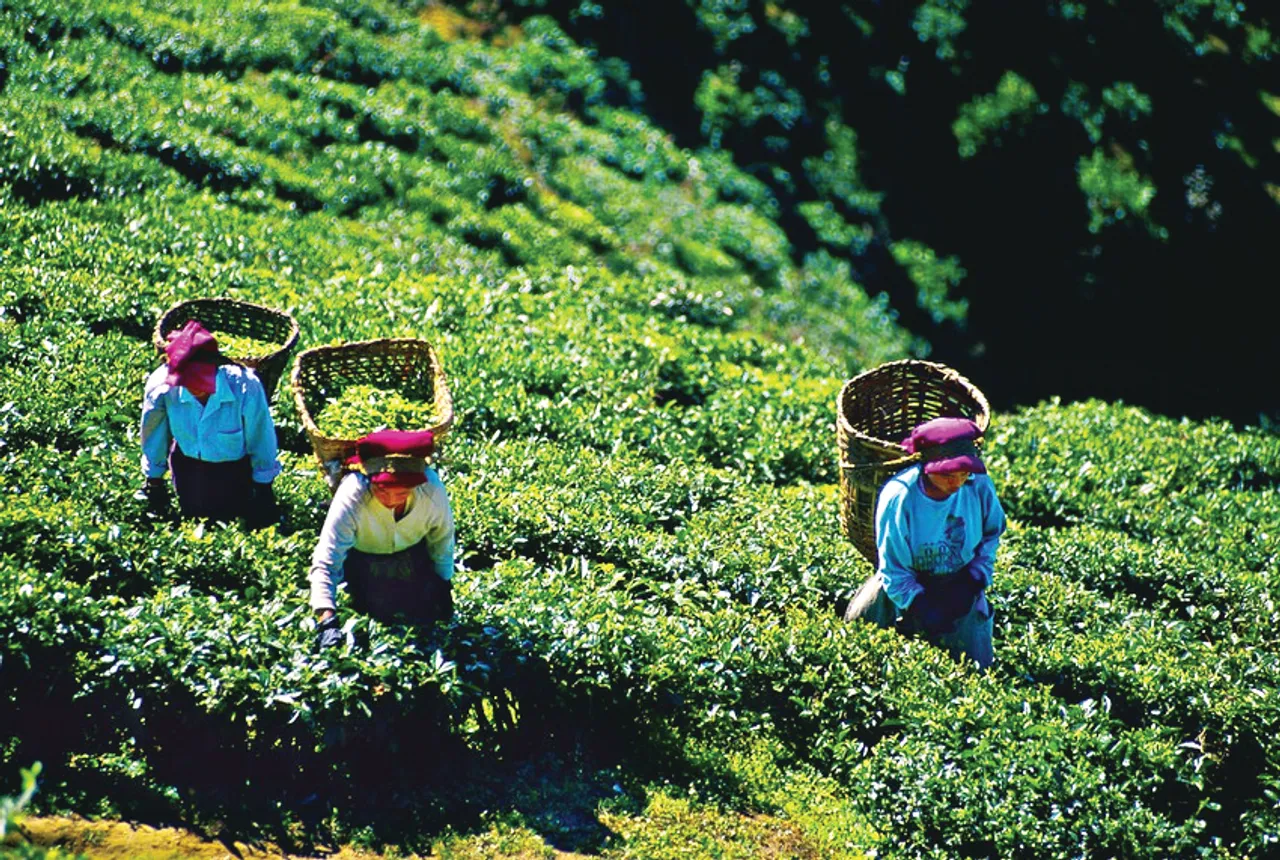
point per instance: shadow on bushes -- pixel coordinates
(505, 738)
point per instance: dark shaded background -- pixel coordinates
(1181, 325)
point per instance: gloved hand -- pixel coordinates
(329, 633)
(156, 495)
(263, 510)
(976, 582)
(965, 584)
(930, 611)
(947, 599)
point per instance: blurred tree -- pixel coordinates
(1104, 176)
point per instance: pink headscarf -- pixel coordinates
(193, 358)
(396, 458)
(947, 445)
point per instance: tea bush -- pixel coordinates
(642, 470)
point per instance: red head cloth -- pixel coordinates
(395, 457)
(947, 445)
(193, 358)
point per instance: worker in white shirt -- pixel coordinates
(389, 535)
(205, 419)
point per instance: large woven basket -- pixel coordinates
(407, 365)
(875, 411)
(241, 319)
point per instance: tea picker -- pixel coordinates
(389, 534)
(206, 420)
(206, 415)
(937, 520)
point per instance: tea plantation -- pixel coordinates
(646, 659)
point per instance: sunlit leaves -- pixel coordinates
(1013, 103)
(1114, 190)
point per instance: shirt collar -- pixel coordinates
(386, 513)
(221, 394)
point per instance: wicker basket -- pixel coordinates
(407, 365)
(243, 320)
(875, 411)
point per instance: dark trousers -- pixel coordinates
(217, 491)
(398, 586)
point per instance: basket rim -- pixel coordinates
(358, 346)
(158, 338)
(936, 369)
(362, 345)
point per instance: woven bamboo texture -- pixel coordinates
(875, 411)
(241, 319)
(407, 365)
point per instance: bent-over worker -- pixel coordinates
(206, 420)
(389, 535)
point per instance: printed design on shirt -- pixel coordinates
(943, 556)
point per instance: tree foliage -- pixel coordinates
(1060, 151)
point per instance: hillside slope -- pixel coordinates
(646, 657)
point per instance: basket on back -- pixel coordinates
(271, 327)
(875, 411)
(405, 365)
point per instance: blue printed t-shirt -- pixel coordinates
(917, 534)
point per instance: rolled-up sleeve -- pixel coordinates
(895, 571)
(337, 537)
(155, 433)
(259, 431)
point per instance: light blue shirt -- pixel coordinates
(917, 534)
(357, 520)
(234, 423)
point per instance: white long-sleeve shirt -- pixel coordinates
(234, 423)
(357, 520)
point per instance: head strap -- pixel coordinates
(954, 448)
(393, 463)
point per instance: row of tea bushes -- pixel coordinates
(642, 469)
(212, 132)
(705, 530)
(625, 648)
(1179, 514)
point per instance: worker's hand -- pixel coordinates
(263, 510)
(931, 611)
(156, 495)
(955, 595)
(974, 578)
(962, 587)
(329, 633)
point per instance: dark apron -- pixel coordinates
(217, 491)
(398, 586)
(970, 634)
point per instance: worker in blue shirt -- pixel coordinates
(938, 525)
(205, 419)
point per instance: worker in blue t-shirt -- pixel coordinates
(938, 524)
